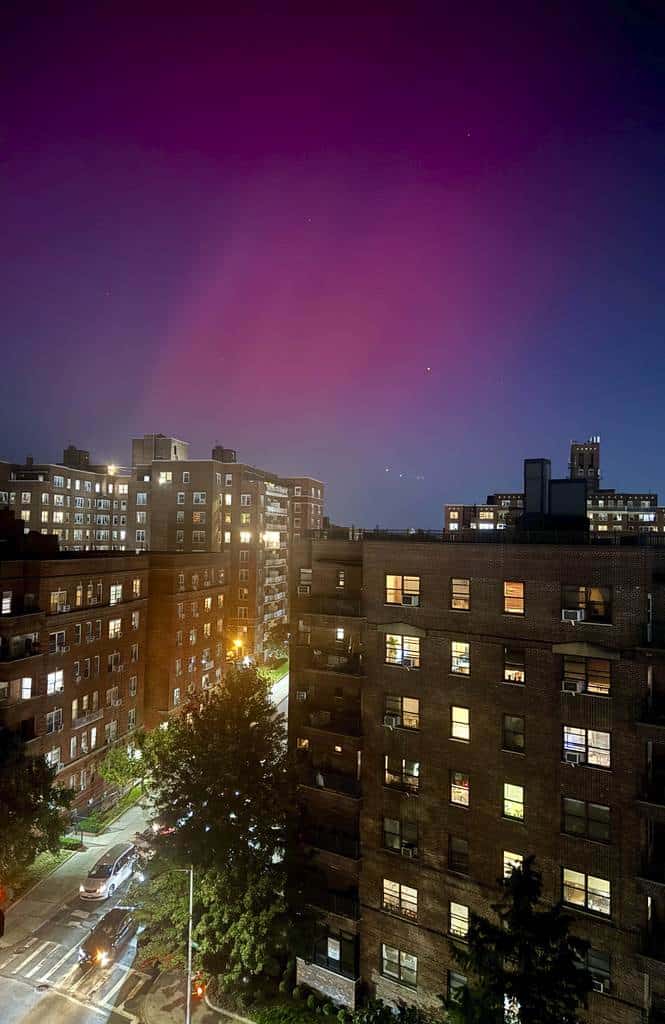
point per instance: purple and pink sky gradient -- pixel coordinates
(261, 230)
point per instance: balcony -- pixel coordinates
(350, 664)
(344, 723)
(19, 648)
(83, 720)
(332, 841)
(325, 604)
(402, 782)
(343, 904)
(337, 782)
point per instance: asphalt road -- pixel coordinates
(40, 978)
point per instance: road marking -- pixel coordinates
(60, 962)
(29, 958)
(40, 963)
(123, 978)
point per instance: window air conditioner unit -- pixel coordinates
(572, 615)
(409, 851)
(301, 695)
(408, 663)
(64, 649)
(77, 679)
(573, 756)
(65, 608)
(304, 590)
(573, 686)
(391, 721)
(600, 984)
(117, 703)
(411, 599)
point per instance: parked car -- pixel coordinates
(110, 871)
(107, 937)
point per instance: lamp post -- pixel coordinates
(190, 872)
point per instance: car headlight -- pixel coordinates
(102, 957)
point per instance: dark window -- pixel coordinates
(399, 835)
(598, 966)
(456, 984)
(337, 951)
(595, 602)
(513, 666)
(458, 854)
(513, 733)
(581, 818)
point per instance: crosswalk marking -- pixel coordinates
(45, 977)
(118, 985)
(32, 956)
(40, 963)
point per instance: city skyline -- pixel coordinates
(339, 245)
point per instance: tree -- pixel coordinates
(31, 807)
(123, 766)
(527, 969)
(162, 905)
(219, 778)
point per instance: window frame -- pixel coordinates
(401, 644)
(401, 590)
(520, 607)
(508, 800)
(462, 594)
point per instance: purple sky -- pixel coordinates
(262, 231)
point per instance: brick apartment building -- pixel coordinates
(459, 701)
(609, 511)
(169, 502)
(73, 629)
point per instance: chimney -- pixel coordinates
(537, 474)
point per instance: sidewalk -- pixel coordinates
(39, 904)
(165, 1004)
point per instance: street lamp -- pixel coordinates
(190, 872)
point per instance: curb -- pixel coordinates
(227, 1013)
(39, 881)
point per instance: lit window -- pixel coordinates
(513, 598)
(459, 789)
(586, 746)
(459, 920)
(245, 537)
(115, 593)
(115, 629)
(460, 594)
(460, 662)
(459, 723)
(586, 675)
(341, 579)
(403, 590)
(513, 666)
(402, 712)
(136, 587)
(511, 861)
(200, 497)
(26, 687)
(586, 892)
(55, 681)
(402, 650)
(6, 602)
(401, 773)
(513, 801)
(595, 603)
(400, 899)
(339, 633)
(165, 476)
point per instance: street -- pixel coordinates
(41, 980)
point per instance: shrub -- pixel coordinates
(311, 1001)
(328, 1009)
(297, 993)
(283, 986)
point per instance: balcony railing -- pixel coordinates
(336, 966)
(91, 716)
(344, 904)
(322, 778)
(18, 650)
(327, 604)
(346, 723)
(333, 841)
(330, 660)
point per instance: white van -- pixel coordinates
(110, 871)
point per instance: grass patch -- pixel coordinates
(41, 866)
(276, 672)
(98, 821)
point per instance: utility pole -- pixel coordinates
(188, 1016)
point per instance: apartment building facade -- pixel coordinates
(185, 641)
(86, 507)
(456, 704)
(169, 502)
(72, 655)
(608, 510)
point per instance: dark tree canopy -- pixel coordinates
(31, 807)
(527, 968)
(219, 776)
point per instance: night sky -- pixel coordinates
(262, 231)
